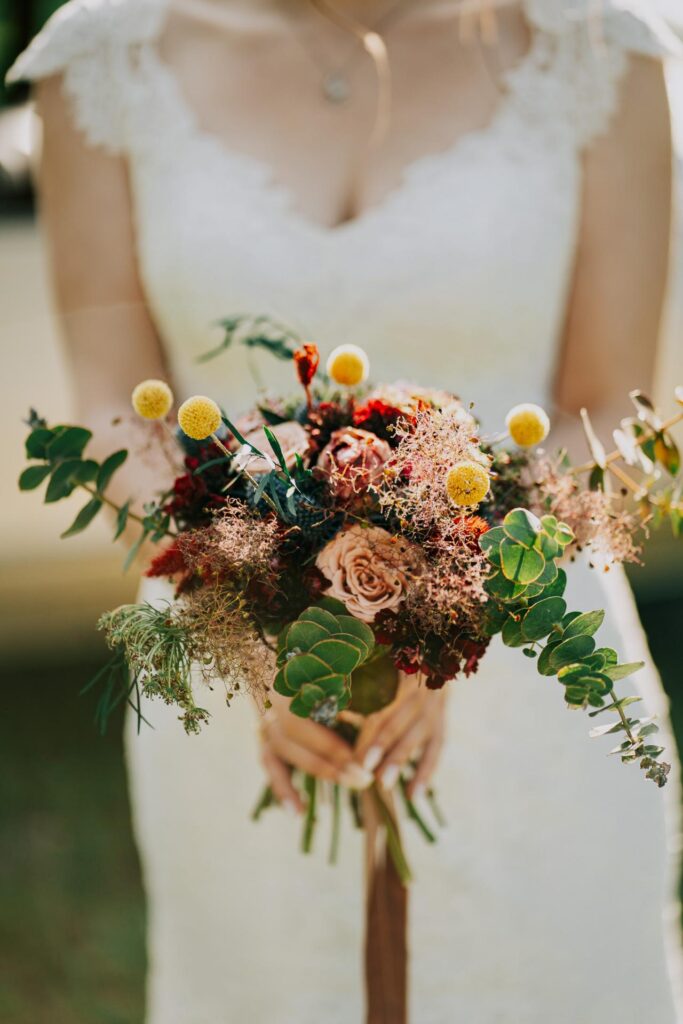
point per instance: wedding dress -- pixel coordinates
(549, 897)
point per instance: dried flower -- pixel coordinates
(353, 460)
(348, 365)
(467, 483)
(199, 417)
(152, 399)
(307, 361)
(527, 425)
(368, 569)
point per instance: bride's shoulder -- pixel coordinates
(85, 28)
(631, 25)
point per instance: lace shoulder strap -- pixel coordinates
(587, 46)
(89, 42)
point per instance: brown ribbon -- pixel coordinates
(386, 948)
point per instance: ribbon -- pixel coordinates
(386, 947)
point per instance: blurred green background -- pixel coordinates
(71, 902)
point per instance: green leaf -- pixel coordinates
(37, 443)
(520, 564)
(547, 577)
(122, 520)
(584, 625)
(312, 694)
(548, 546)
(494, 619)
(277, 449)
(62, 481)
(617, 672)
(304, 668)
(304, 634)
(357, 628)
(84, 517)
(341, 657)
(323, 618)
(543, 664)
(108, 468)
(489, 543)
(133, 551)
(558, 586)
(504, 589)
(542, 616)
(596, 479)
(571, 650)
(280, 685)
(511, 634)
(522, 526)
(33, 477)
(69, 442)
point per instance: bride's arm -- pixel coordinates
(110, 339)
(622, 261)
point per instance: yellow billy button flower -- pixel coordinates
(348, 365)
(527, 425)
(199, 417)
(152, 399)
(467, 483)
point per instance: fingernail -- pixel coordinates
(291, 808)
(372, 758)
(419, 791)
(389, 776)
(355, 777)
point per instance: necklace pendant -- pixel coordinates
(336, 88)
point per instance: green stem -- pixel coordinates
(394, 843)
(436, 810)
(336, 823)
(117, 508)
(265, 801)
(413, 812)
(311, 788)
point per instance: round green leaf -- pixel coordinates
(304, 634)
(304, 668)
(512, 634)
(504, 589)
(520, 564)
(522, 526)
(322, 618)
(489, 542)
(542, 616)
(358, 629)
(571, 650)
(341, 657)
(543, 664)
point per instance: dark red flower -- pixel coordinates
(168, 562)
(378, 417)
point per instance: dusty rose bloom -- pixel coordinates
(353, 460)
(368, 569)
(293, 441)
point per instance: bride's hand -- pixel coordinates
(411, 727)
(292, 742)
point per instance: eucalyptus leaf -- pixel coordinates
(520, 564)
(68, 442)
(571, 650)
(33, 477)
(122, 520)
(522, 526)
(585, 625)
(84, 517)
(542, 616)
(108, 468)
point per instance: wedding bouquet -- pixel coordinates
(325, 542)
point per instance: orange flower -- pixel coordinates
(307, 361)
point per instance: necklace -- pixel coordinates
(336, 82)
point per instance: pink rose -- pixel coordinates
(293, 440)
(353, 460)
(368, 569)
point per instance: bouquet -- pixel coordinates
(327, 541)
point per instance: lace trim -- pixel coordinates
(567, 86)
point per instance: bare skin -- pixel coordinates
(442, 88)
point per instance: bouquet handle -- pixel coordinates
(387, 875)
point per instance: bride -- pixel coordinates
(507, 238)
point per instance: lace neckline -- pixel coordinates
(260, 174)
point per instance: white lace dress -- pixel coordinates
(550, 895)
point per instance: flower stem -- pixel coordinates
(640, 441)
(311, 787)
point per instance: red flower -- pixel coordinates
(307, 361)
(378, 417)
(168, 562)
